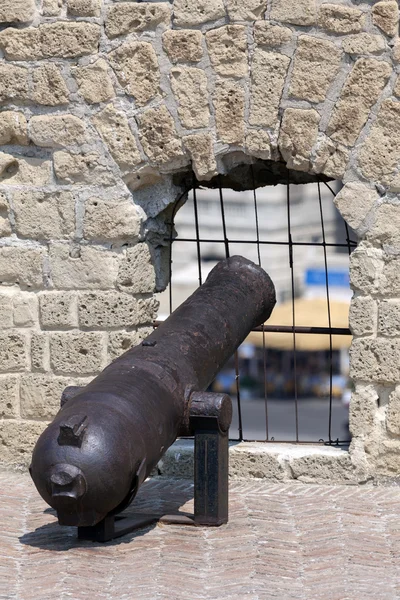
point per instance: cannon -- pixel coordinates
(108, 437)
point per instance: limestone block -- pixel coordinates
(147, 310)
(21, 266)
(380, 152)
(143, 177)
(246, 11)
(125, 17)
(67, 39)
(362, 315)
(196, 12)
(363, 410)
(189, 86)
(13, 352)
(385, 15)
(361, 90)
(268, 73)
(94, 82)
(87, 268)
(21, 44)
(13, 82)
(80, 352)
(341, 19)
(384, 229)
(266, 34)
(111, 220)
(49, 87)
(136, 66)
(323, 468)
(227, 48)
(258, 144)
(25, 309)
(40, 353)
(41, 395)
(113, 127)
(44, 216)
(17, 440)
(158, 135)
(330, 158)
(51, 8)
(82, 168)
(106, 310)
(183, 45)
(5, 226)
(13, 128)
(9, 397)
(389, 318)
(375, 359)
(19, 11)
(354, 202)
(229, 104)
(396, 51)
(366, 266)
(364, 43)
(6, 311)
(121, 341)
(136, 273)
(393, 413)
(56, 131)
(297, 137)
(58, 310)
(7, 163)
(200, 148)
(27, 171)
(296, 12)
(318, 57)
(390, 281)
(84, 8)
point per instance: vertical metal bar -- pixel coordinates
(196, 222)
(221, 201)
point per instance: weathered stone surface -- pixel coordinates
(362, 411)
(111, 220)
(380, 152)
(330, 158)
(320, 468)
(389, 318)
(56, 131)
(18, 11)
(13, 82)
(362, 315)
(21, 44)
(106, 310)
(390, 280)
(196, 12)
(396, 51)
(364, 43)
(341, 19)
(27, 171)
(158, 135)
(124, 17)
(17, 439)
(297, 137)
(49, 87)
(227, 48)
(13, 128)
(201, 151)
(25, 309)
(43, 216)
(21, 266)
(40, 395)
(393, 413)
(189, 86)
(87, 268)
(136, 66)
(136, 272)
(58, 310)
(229, 103)
(296, 12)
(6, 311)
(39, 351)
(121, 341)
(13, 352)
(258, 144)
(7, 162)
(88, 167)
(360, 92)
(80, 352)
(365, 268)
(246, 11)
(267, 80)
(94, 82)
(5, 226)
(266, 34)
(147, 311)
(113, 126)
(385, 15)
(69, 39)
(84, 8)
(375, 359)
(183, 45)
(143, 177)
(318, 57)
(354, 202)
(9, 398)
(51, 8)
(384, 227)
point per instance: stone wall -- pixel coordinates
(103, 102)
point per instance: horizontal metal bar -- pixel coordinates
(351, 243)
(295, 329)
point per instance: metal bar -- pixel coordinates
(196, 222)
(297, 329)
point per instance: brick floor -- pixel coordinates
(283, 541)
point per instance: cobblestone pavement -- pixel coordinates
(283, 541)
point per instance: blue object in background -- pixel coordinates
(336, 278)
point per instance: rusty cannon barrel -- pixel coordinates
(108, 437)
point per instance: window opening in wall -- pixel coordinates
(289, 379)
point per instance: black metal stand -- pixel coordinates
(210, 417)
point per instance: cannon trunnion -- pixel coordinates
(108, 436)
